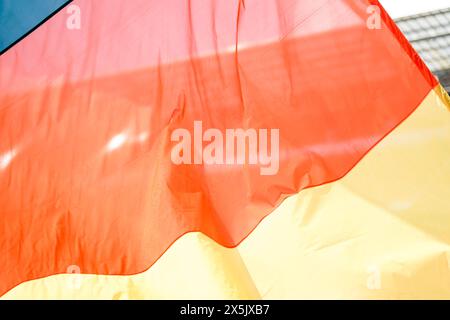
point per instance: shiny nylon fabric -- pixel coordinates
(138, 70)
(380, 232)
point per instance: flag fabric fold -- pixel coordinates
(352, 206)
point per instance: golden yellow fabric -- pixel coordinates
(382, 231)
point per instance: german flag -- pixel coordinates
(121, 171)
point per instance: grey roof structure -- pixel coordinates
(429, 33)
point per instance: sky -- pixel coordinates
(401, 8)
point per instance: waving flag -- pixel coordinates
(120, 154)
